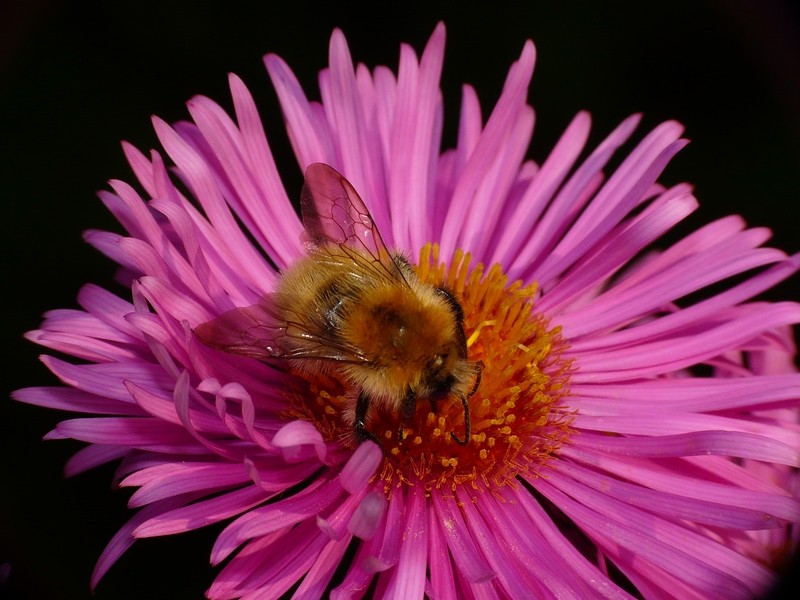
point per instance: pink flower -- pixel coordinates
(629, 436)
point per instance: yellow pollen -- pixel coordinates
(518, 419)
(473, 338)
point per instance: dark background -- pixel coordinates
(77, 77)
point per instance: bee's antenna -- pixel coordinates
(467, 424)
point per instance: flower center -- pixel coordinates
(517, 418)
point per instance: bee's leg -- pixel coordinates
(478, 375)
(407, 410)
(467, 424)
(360, 424)
(467, 420)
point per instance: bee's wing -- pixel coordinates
(259, 331)
(334, 213)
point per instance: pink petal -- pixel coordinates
(310, 136)
(201, 513)
(568, 203)
(442, 578)
(360, 467)
(511, 575)
(388, 544)
(658, 357)
(108, 379)
(690, 394)
(562, 547)
(357, 143)
(414, 140)
(93, 456)
(163, 481)
(248, 199)
(673, 506)
(700, 562)
(543, 187)
(258, 522)
(319, 576)
(459, 217)
(408, 577)
(463, 548)
(368, 515)
(124, 539)
(620, 248)
(624, 190)
(297, 438)
(75, 400)
(722, 443)
(335, 523)
(239, 252)
(680, 480)
(268, 570)
(128, 431)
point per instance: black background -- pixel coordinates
(77, 77)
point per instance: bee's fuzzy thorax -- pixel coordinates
(391, 323)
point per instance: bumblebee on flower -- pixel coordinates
(576, 407)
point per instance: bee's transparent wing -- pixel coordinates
(250, 331)
(334, 213)
(259, 331)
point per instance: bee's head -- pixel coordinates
(445, 373)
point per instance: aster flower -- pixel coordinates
(630, 437)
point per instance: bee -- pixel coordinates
(354, 309)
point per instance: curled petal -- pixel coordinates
(296, 438)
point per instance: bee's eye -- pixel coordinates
(438, 361)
